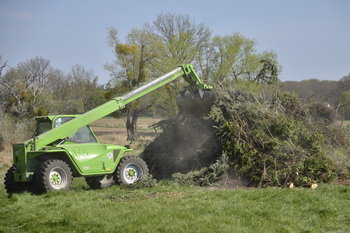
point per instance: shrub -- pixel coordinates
(14, 130)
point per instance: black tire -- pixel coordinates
(11, 186)
(130, 169)
(98, 182)
(53, 175)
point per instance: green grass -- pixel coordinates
(175, 208)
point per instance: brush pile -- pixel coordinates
(270, 141)
(185, 144)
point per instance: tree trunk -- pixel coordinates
(131, 124)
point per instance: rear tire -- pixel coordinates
(53, 175)
(11, 186)
(98, 182)
(130, 169)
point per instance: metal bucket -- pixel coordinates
(195, 102)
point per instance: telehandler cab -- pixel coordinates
(64, 146)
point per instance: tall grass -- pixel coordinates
(175, 208)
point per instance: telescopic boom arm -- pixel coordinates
(68, 129)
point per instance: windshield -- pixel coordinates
(61, 120)
(83, 135)
(42, 127)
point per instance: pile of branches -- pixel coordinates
(279, 140)
(186, 143)
(271, 141)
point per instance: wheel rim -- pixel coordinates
(58, 178)
(131, 173)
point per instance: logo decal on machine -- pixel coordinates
(110, 155)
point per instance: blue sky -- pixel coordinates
(311, 37)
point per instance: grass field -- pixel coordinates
(175, 208)
(170, 207)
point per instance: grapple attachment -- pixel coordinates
(195, 102)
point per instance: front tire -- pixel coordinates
(53, 175)
(11, 186)
(130, 169)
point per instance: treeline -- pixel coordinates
(335, 94)
(34, 87)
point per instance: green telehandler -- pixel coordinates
(64, 146)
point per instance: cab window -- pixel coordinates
(42, 127)
(61, 120)
(83, 135)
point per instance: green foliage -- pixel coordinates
(42, 111)
(143, 182)
(268, 73)
(231, 58)
(276, 142)
(206, 176)
(176, 208)
(174, 39)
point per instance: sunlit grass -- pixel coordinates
(175, 208)
(171, 207)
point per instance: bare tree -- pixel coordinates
(344, 83)
(84, 92)
(177, 39)
(25, 86)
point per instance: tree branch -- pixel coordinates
(13, 93)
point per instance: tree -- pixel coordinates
(77, 92)
(344, 83)
(35, 88)
(176, 39)
(84, 91)
(26, 87)
(344, 105)
(269, 72)
(325, 91)
(3, 86)
(234, 57)
(130, 70)
(170, 41)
